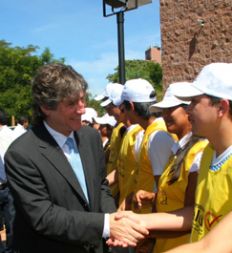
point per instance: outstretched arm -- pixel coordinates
(180, 220)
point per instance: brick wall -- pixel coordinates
(153, 54)
(194, 33)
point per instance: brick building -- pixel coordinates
(194, 33)
(153, 54)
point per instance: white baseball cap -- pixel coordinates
(138, 90)
(104, 93)
(89, 114)
(214, 79)
(106, 119)
(169, 100)
(113, 91)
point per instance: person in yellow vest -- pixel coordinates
(211, 116)
(130, 153)
(110, 100)
(177, 183)
(217, 240)
(137, 96)
(123, 173)
(127, 163)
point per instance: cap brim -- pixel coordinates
(104, 121)
(157, 107)
(100, 120)
(106, 102)
(86, 118)
(187, 92)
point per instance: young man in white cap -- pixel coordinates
(124, 159)
(137, 96)
(211, 116)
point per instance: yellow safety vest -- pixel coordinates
(115, 144)
(213, 195)
(127, 163)
(144, 178)
(170, 197)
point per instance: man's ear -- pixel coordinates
(224, 107)
(45, 110)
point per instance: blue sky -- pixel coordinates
(77, 31)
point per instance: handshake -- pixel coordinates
(126, 229)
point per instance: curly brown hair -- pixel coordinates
(53, 83)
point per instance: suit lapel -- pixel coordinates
(54, 154)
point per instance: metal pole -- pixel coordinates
(121, 50)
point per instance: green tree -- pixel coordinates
(17, 68)
(90, 102)
(148, 70)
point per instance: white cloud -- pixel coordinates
(95, 71)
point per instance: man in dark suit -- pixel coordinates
(60, 207)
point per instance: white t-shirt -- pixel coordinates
(159, 150)
(138, 141)
(18, 131)
(6, 138)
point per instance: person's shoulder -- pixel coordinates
(160, 135)
(89, 135)
(87, 130)
(22, 141)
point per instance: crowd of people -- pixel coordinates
(148, 176)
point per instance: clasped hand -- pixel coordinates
(126, 229)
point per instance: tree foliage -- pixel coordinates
(17, 68)
(90, 102)
(148, 70)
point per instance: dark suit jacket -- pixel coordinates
(52, 214)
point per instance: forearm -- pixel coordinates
(180, 220)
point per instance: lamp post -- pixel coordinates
(118, 7)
